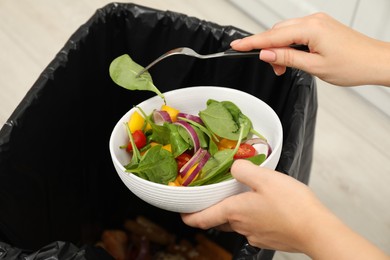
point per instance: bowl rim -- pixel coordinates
(233, 181)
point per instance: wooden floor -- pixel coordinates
(351, 167)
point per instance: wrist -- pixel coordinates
(331, 239)
(378, 65)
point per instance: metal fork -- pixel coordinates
(227, 53)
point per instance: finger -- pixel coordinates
(288, 22)
(275, 38)
(250, 174)
(279, 69)
(225, 227)
(288, 57)
(214, 216)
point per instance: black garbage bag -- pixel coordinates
(57, 179)
(55, 250)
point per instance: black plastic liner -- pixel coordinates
(57, 179)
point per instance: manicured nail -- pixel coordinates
(235, 42)
(267, 56)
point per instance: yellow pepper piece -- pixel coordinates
(171, 111)
(136, 122)
(167, 147)
(226, 144)
(175, 182)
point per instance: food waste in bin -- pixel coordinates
(141, 238)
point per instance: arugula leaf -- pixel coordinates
(123, 71)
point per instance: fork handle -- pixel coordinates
(233, 53)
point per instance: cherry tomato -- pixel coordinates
(139, 140)
(182, 159)
(245, 151)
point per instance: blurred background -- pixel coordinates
(351, 166)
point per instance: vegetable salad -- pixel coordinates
(175, 148)
(172, 147)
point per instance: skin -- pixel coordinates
(283, 214)
(280, 212)
(338, 54)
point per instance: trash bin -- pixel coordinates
(59, 188)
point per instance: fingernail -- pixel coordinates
(267, 56)
(235, 42)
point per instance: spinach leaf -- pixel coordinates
(212, 146)
(136, 157)
(156, 165)
(203, 140)
(159, 133)
(178, 144)
(224, 161)
(123, 71)
(257, 159)
(241, 119)
(219, 178)
(219, 120)
(225, 119)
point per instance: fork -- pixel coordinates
(228, 53)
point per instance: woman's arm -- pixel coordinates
(282, 213)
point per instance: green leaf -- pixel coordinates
(219, 165)
(123, 71)
(161, 134)
(178, 144)
(223, 160)
(225, 119)
(257, 159)
(219, 120)
(136, 156)
(212, 146)
(157, 165)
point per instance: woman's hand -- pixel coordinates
(273, 215)
(338, 54)
(282, 213)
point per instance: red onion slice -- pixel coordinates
(194, 118)
(194, 159)
(261, 146)
(197, 169)
(191, 132)
(160, 117)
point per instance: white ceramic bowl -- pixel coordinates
(192, 100)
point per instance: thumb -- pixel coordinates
(249, 174)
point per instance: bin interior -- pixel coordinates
(58, 181)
